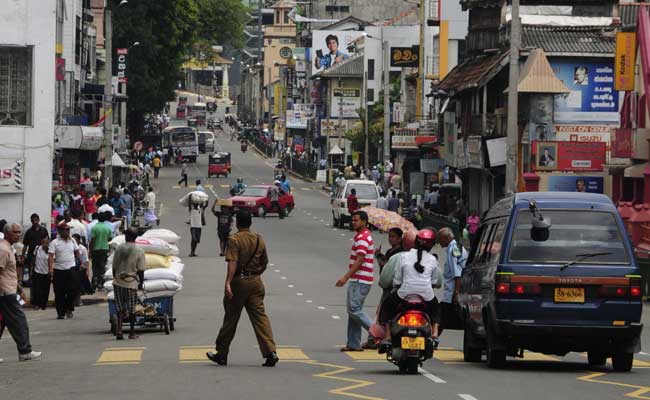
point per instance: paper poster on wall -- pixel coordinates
(569, 156)
(345, 102)
(576, 183)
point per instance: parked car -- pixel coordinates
(367, 193)
(553, 273)
(256, 199)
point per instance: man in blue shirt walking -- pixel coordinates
(452, 271)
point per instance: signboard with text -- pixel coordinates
(592, 97)
(405, 56)
(11, 175)
(570, 156)
(121, 64)
(345, 102)
(625, 60)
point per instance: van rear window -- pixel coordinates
(364, 191)
(572, 235)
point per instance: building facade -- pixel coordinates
(27, 108)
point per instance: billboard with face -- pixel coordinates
(330, 48)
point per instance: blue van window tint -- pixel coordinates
(572, 233)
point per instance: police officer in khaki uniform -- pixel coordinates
(247, 260)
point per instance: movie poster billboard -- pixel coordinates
(330, 48)
(592, 97)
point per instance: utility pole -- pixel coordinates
(260, 41)
(366, 151)
(108, 97)
(513, 98)
(386, 67)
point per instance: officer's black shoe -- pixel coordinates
(271, 360)
(218, 358)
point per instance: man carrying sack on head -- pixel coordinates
(247, 260)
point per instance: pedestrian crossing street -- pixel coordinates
(196, 354)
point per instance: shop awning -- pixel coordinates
(78, 137)
(636, 171)
(537, 76)
(117, 161)
(335, 151)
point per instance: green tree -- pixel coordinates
(166, 31)
(221, 22)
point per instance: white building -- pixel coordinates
(27, 79)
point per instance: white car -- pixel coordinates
(367, 193)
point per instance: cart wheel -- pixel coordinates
(171, 323)
(166, 324)
(113, 320)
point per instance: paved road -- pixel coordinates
(82, 360)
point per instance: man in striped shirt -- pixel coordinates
(359, 279)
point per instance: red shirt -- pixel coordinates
(89, 204)
(353, 203)
(363, 245)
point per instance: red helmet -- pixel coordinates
(408, 239)
(426, 237)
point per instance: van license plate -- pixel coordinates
(569, 295)
(413, 343)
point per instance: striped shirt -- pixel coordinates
(363, 245)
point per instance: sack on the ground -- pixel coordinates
(164, 234)
(157, 285)
(157, 261)
(154, 246)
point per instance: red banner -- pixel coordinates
(570, 156)
(60, 68)
(622, 143)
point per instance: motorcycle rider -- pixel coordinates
(238, 187)
(416, 273)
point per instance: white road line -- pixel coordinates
(644, 354)
(430, 376)
(291, 286)
(308, 301)
(283, 278)
(335, 317)
(321, 307)
(342, 234)
(298, 294)
(271, 265)
(276, 270)
(467, 397)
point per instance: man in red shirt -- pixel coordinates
(353, 201)
(359, 278)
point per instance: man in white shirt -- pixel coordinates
(76, 226)
(150, 211)
(195, 227)
(62, 264)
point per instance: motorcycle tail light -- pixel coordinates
(412, 319)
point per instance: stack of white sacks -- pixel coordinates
(164, 274)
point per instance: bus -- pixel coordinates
(199, 111)
(184, 138)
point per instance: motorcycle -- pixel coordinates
(411, 336)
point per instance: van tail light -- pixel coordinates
(610, 291)
(526, 289)
(503, 288)
(412, 319)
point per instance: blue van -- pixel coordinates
(552, 272)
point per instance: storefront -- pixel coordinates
(76, 151)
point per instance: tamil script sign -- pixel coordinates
(592, 97)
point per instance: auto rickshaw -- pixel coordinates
(181, 112)
(182, 101)
(227, 156)
(218, 164)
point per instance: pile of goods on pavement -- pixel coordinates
(163, 276)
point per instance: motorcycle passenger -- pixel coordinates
(238, 187)
(415, 274)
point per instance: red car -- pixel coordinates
(256, 200)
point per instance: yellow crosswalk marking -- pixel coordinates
(196, 354)
(366, 355)
(192, 354)
(224, 186)
(305, 189)
(448, 355)
(121, 356)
